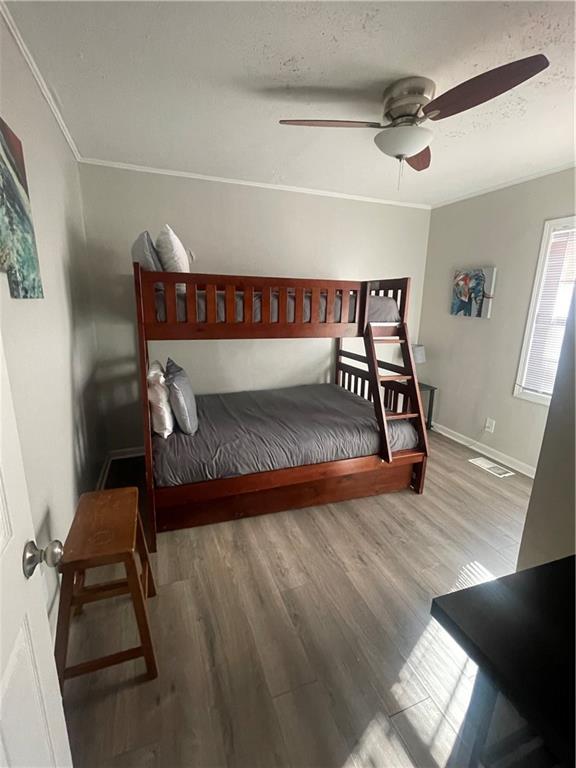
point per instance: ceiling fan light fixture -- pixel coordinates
(403, 140)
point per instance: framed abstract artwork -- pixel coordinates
(473, 291)
(18, 254)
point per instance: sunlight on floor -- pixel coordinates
(426, 734)
(473, 573)
(379, 747)
(430, 728)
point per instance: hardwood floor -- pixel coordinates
(303, 638)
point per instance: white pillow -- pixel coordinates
(171, 252)
(160, 410)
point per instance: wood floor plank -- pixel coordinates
(269, 535)
(407, 630)
(431, 741)
(511, 554)
(282, 656)
(489, 526)
(192, 726)
(335, 617)
(251, 732)
(508, 496)
(425, 520)
(361, 718)
(178, 554)
(145, 757)
(310, 732)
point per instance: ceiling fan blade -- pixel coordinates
(421, 161)
(484, 87)
(332, 123)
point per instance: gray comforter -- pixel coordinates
(246, 432)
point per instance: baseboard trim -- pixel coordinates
(120, 453)
(485, 450)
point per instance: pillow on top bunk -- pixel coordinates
(181, 398)
(382, 309)
(144, 252)
(160, 411)
(173, 255)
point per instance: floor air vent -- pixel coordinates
(489, 466)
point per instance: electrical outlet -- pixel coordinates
(489, 425)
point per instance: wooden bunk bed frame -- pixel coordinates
(182, 506)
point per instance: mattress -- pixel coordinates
(246, 432)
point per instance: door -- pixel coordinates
(32, 727)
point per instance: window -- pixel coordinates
(553, 287)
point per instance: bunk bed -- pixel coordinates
(177, 306)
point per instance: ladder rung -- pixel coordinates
(385, 330)
(395, 416)
(387, 340)
(396, 377)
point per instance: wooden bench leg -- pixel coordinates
(63, 625)
(147, 576)
(139, 602)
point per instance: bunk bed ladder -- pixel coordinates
(400, 379)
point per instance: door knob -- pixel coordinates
(33, 556)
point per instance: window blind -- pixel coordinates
(553, 303)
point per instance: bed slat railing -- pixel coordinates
(171, 303)
(397, 289)
(197, 306)
(231, 305)
(283, 305)
(210, 303)
(299, 306)
(248, 305)
(347, 376)
(191, 304)
(330, 301)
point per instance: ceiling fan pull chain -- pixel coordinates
(400, 171)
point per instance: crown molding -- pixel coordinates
(244, 183)
(506, 185)
(14, 31)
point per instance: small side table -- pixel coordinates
(431, 392)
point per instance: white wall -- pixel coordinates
(50, 343)
(236, 230)
(550, 523)
(474, 362)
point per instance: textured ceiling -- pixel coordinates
(200, 87)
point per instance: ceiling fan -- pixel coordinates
(408, 102)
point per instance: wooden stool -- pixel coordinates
(106, 529)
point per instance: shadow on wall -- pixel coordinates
(87, 439)
(117, 389)
(112, 397)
